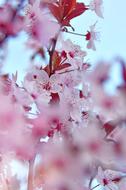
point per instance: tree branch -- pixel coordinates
(30, 175)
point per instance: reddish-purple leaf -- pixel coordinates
(63, 66)
(79, 9)
(109, 127)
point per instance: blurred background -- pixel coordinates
(112, 41)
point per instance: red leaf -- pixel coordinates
(79, 9)
(56, 60)
(63, 66)
(69, 5)
(55, 98)
(66, 10)
(109, 127)
(56, 11)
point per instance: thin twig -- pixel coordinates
(95, 186)
(74, 33)
(30, 175)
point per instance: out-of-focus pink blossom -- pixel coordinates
(12, 124)
(96, 5)
(7, 179)
(40, 24)
(10, 23)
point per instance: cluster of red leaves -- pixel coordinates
(57, 63)
(65, 10)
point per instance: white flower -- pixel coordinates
(92, 36)
(40, 86)
(96, 5)
(106, 179)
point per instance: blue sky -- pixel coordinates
(113, 40)
(112, 28)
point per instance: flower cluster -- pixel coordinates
(60, 122)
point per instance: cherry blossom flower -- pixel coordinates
(96, 5)
(42, 77)
(36, 20)
(10, 23)
(92, 36)
(72, 53)
(72, 103)
(40, 86)
(109, 179)
(9, 129)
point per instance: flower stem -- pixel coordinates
(95, 186)
(30, 175)
(74, 33)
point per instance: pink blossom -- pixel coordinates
(96, 5)
(9, 24)
(40, 86)
(92, 36)
(109, 179)
(12, 123)
(7, 179)
(39, 24)
(73, 53)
